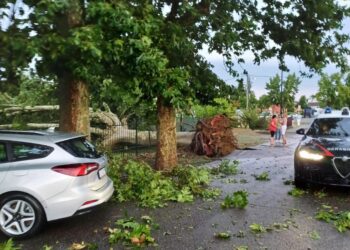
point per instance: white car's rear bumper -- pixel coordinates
(66, 205)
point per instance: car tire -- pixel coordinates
(21, 216)
(300, 183)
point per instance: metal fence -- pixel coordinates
(186, 123)
(134, 138)
(137, 137)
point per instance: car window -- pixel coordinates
(3, 155)
(80, 147)
(28, 151)
(339, 127)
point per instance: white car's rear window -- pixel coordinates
(80, 147)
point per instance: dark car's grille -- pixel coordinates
(340, 153)
(342, 166)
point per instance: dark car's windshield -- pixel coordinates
(339, 127)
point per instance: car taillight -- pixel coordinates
(80, 169)
(325, 152)
(89, 202)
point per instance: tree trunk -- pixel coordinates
(166, 158)
(74, 94)
(74, 106)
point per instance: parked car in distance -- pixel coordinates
(310, 112)
(323, 155)
(265, 114)
(328, 110)
(46, 176)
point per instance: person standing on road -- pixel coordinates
(272, 129)
(284, 128)
(278, 131)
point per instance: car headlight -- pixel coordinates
(310, 156)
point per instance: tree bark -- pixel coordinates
(166, 158)
(74, 94)
(74, 106)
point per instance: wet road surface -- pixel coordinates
(193, 225)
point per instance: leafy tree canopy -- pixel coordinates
(264, 102)
(289, 89)
(34, 90)
(334, 90)
(14, 55)
(303, 102)
(274, 90)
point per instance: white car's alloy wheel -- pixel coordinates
(17, 217)
(21, 215)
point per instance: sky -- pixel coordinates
(260, 74)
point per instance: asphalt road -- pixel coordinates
(193, 225)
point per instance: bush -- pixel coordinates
(263, 123)
(137, 181)
(251, 119)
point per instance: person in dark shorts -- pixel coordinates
(273, 129)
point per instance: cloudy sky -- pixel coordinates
(260, 74)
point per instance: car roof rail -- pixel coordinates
(21, 132)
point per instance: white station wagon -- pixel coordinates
(45, 176)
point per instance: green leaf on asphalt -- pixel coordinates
(341, 220)
(288, 182)
(241, 248)
(264, 176)
(238, 199)
(314, 235)
(320, 194)
(226, 168)
(296, 192)
(257, 228)
(240, 234)
(9, 245)
(223, 235)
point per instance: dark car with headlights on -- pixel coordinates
(323, 154)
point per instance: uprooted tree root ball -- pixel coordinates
(214, 137)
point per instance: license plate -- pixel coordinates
(101, 173)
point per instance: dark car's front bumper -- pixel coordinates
(322, 172)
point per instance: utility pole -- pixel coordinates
(248, 89)
(281, 104)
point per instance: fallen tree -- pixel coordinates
(214, 137)
(109, 129)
